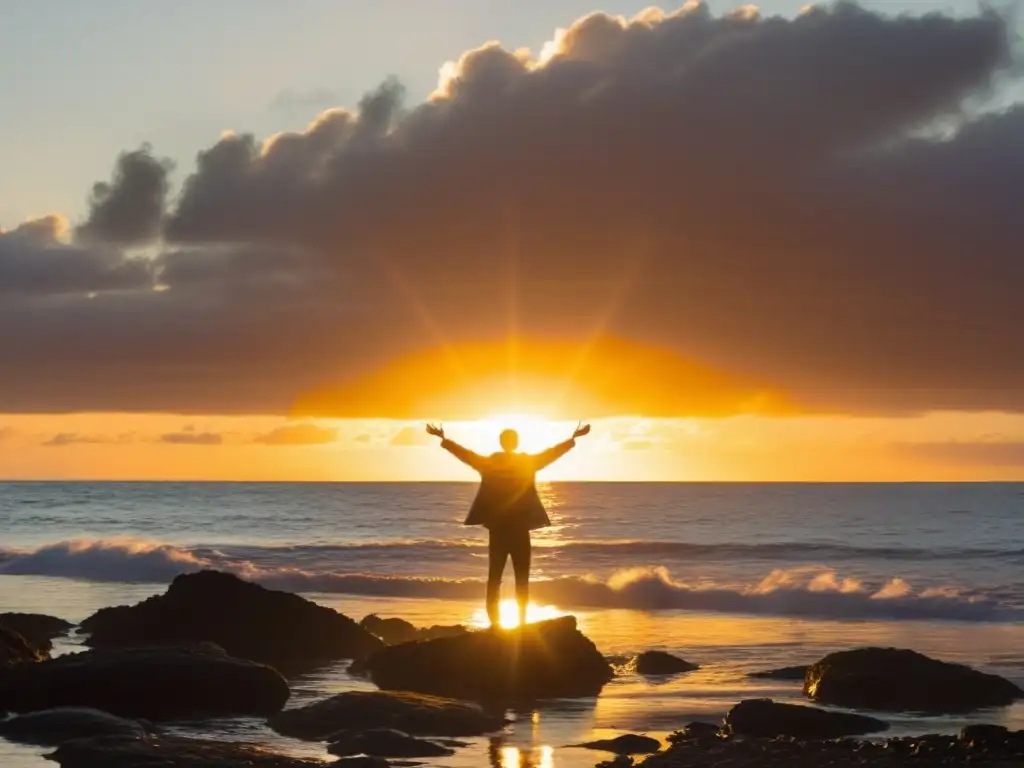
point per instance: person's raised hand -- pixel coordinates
(435, 430)
(581, 430)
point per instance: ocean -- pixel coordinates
(734, 577)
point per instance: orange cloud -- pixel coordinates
(298, 434)
(607, 377)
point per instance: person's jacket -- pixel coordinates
(508, 492)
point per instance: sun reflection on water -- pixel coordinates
(510, 614)
(513, 757)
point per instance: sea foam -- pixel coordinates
(808, 591)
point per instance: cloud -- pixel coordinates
(767, 201)
(35, 261)
(985, 453)
(410, 437)
(606, 376)
(298, 434)
(129, 209)
(63, 439)
(192, 438)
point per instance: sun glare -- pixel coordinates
(513, 757)
(510, 614)
(535, 432)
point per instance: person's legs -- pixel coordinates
(519, 549)
(497, 554)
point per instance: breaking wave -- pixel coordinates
(805, 591)
(428, 548)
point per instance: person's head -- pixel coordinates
(509, 440)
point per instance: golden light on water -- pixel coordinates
(510, 614)
(513, 757)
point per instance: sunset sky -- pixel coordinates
(267, 241)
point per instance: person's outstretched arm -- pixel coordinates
(555, 452)
(466, 456)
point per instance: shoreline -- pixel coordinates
(628, 704)
(991, 750)
(678, 751)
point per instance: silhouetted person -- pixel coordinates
(508, 505)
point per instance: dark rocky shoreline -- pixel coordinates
(216, 645)
(697, 746)
(989, 746)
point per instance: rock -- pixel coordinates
(786, 752)
(921, 749)
(549, 659)
(627, 744)
(363, 761)
(782, 673)
(768, 719)
(411, 713)
(357, 668)
(384, 742)
(154, 683)
(247, 620)
(904, 681)
(394, 631)
(50, 727)
(661, 663)
(983, 733)
(14, 649)
(695, 730)
(37, 628)
(619, 761)
(435, 631)
(170, 752)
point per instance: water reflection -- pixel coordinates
(506, 756)
(509, 614)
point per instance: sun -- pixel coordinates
(509, 614)
(535, 432)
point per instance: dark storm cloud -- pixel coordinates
(688, 116)
(277, 273)
(209, 348)
(35, 261)
(129, 209)
(298, 434)
(754, 193)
